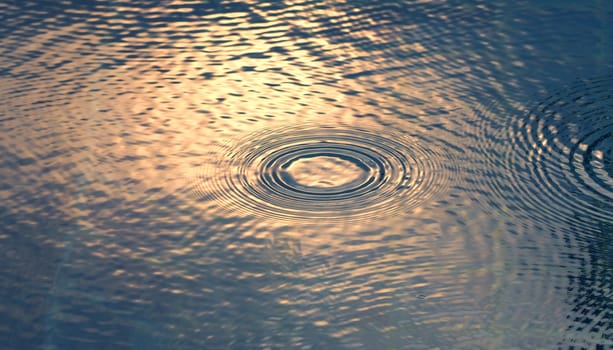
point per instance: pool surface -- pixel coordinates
(306, 174)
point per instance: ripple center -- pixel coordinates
(322, 171)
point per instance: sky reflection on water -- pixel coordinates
(161, 188)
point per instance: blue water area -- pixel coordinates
(216, 174)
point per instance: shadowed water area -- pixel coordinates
(306, 174)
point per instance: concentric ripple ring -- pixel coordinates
(555, 161)
(331, 172)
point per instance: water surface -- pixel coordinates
(306, 174)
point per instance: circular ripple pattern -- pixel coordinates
(324, 172)
(557, 159)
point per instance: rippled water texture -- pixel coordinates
(553, 162)
(306, 174)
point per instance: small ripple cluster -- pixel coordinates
(556, 159)
(326, 172)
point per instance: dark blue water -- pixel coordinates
(306, 174)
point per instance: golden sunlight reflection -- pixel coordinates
(245, 81)
(177, 105)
